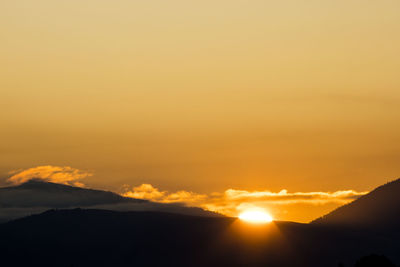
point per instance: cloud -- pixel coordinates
(147, 191)
(284, 197)
(233, 201)
(284, 205)
(55, 174)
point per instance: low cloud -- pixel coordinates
(284, 197)
(55, 174)
(233, 201)
(149, 192)
(283, 205)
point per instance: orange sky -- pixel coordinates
(204, 96)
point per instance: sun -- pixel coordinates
(256, 216)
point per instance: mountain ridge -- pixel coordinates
(90, 237)
(36, 196)
(378, 208)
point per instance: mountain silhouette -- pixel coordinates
(79, 237)
(378, 210)
(46, 194)
(104, 237)
(37, 196)
(87, 237)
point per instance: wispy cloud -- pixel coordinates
(233, 201)
(147, 191)
(285, 197)
(62, 175)
(285, 205)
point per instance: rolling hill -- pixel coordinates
(103, 237)
(82, 237)
(37, 196)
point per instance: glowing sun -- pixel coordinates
(256, 217)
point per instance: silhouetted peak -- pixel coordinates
(39, 193)
(380, 207)
(37, 183)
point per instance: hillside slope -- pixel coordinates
(379, 209)
(36, 196)
(78, 237)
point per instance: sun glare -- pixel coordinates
(256, 217)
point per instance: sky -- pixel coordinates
(204, 96)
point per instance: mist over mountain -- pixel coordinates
(36, 193)
(36, 196)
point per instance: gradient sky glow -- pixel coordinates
(203, 96)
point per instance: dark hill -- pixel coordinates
(378, 210)
(37, 196)
(98, 237)
(108, 238)
(36, 193)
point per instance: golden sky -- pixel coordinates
(203, 96)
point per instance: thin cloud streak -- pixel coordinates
(284, 196)
(232, 201)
